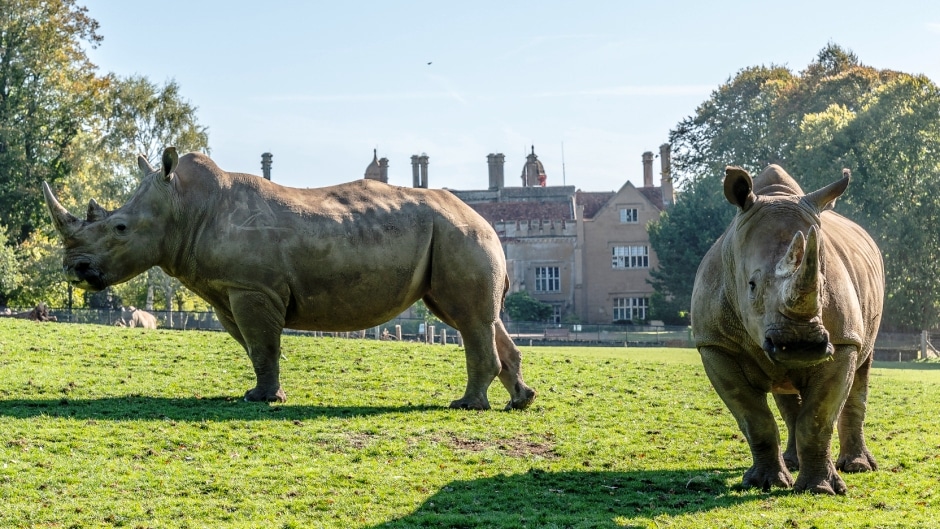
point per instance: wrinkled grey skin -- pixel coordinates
(339, 258)
(788, 301)
(134, 317)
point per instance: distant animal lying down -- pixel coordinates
(39, 313)
(134, 317)
(788, 301)
(339, 258)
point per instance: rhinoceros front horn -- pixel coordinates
(64, 222)
(801, 264)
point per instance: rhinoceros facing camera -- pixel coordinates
(788, 301)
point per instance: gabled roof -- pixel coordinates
(594, 202)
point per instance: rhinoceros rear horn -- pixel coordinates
(825, 198)
(144, 165)
(96, 212)
(65, 223)
(739, 188)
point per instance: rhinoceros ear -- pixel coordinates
(144, 165)
(96, 212)
(825, 198)
(739, 188)
(170, 160)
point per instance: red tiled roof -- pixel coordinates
(502, 211)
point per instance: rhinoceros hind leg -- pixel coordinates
(853, 453)
(482, 368)
(479, 348)
(470, 403)
(510, 374)
(260, 395)
(864, 462)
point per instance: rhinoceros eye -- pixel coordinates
(121, 228)
(752, 285)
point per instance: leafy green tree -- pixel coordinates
(10, 276)
(39, 259)
(48, 88)
(680, 238)
(734, 126)
(521, 306)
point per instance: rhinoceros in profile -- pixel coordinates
(788, 301)
(339, 258)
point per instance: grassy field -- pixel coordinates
(111, 427)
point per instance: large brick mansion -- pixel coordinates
(585, 253)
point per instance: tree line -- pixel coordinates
(883, 125)
(64, 122)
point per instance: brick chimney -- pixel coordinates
(419, 170)
(665, 158)
(648, 169)
(496, 163)
(423, 162)
(415, 171)
(383, 169)
(266, 165)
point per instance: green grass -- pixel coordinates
(110, 427)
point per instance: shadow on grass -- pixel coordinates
(577, 499)
(185, 409)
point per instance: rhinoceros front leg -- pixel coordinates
(823, 399)
(853, 453)
(789, 406)
(259, 322)
(750, 409)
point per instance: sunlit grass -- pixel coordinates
(107, 427)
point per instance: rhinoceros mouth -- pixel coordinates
(86, 277)
(798, 349)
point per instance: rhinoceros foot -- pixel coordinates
(468, 403)
(791, 460)
(265, 395)
(863, 462)
(766, 478)
(522, 401)
(826, 482)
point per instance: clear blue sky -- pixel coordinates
(322, 83)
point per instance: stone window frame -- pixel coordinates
(630, 309)
(629, 257)
(629, 216)
(547, 279)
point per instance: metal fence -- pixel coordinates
(413, 329)
(890, 346)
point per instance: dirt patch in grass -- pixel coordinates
(508, 447)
